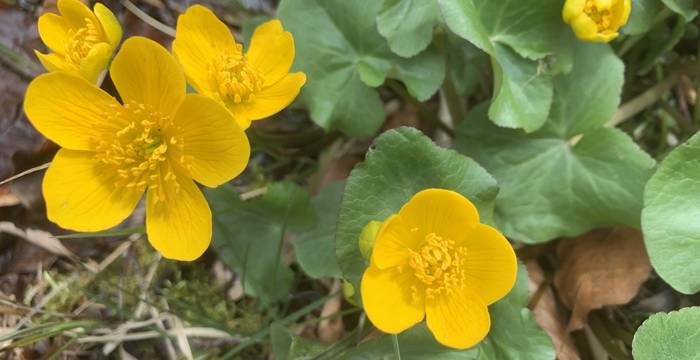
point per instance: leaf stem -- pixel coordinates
(397, 350)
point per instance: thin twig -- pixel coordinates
(653, 94)
(26, 172)
(148, 19)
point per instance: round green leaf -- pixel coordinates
(685, 8)
(401, 163)
(344, 57)
(642, 16)
(315, 248)
(668, 336)
(247, 234)
(408, 24)
(670, 218)
(572, 175)
(527, 41)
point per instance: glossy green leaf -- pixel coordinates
(670, 218)
(248, 234)
(686, 8)
(642, 16)
(401, 163)
(416, 343)
(408, 24)
(287, 346)
(514, 333)
(668, 336)
(572, 175)
(527, 41)
(344, 57)
(315, 248)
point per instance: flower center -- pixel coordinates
(438, 265)
(81, 41)
(234, 78)
(139, 151)
(600, 17)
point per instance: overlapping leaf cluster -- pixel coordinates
(539, 157)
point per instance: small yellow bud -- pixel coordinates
(349, 292)
(366, 241)
(596, 20)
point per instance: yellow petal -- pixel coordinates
(199, 39)
(179, 226)
(55, 62)
(603, 4)
(271, 51)
(110, 24)
(68, 110)
(490, 264)
(459, 320)
(145, 73)
(572, 9)
(585, 28)
(270, 100)
(443, 212)
(53, 30)
(81, 193)
(218, 147)
(621, 13)
(388, 300)
(75, 12)
(394, 243)
(96, 62)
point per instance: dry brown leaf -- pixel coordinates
(600, 268)
(39, 238)
(548, 315)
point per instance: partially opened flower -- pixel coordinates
(82, 41)
(158, 141)
(596, 20)
(435, 260)
(254, 85)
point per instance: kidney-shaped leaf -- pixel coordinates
(527, 41)
(668, 336)
(671, 218)
(401, 163)
(572, 175)
(248, 234)
(344, 57)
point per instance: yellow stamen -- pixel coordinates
(233, 77)
(139, 151)
(602, 18)
(79, 42)
(439, 266)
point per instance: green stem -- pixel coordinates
(454, 103)
(397, 350)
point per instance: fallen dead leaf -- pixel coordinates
(39, 238)
(547, 313)
(600, 268)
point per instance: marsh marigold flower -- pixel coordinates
(158, 141)
(82, 41)
(435, 260)
(252, 85)
(596, 20)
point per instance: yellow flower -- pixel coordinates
(596, 20)
(158, 141)
(254, 85)
(82, 41)
(435, 259)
